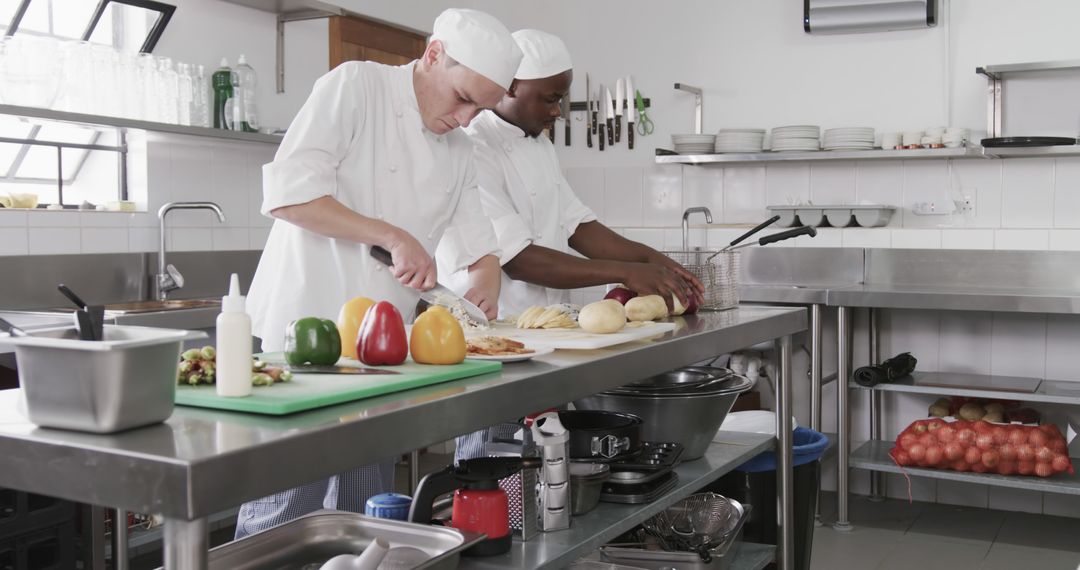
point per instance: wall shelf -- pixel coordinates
(874, 456)
(82, 118)
(1048, 391)
(664, 156)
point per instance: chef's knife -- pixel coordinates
(333, 369)
(631, 112)
(620, 96)
(609, 116)
(595, 110)
(603, 119)
(437, 295)
(564, 110)
(590, 118)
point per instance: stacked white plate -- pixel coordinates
(796, 138)
(740, 140)
(693, 143)
(849, 138)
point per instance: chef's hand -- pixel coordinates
(485, 281)
(413, 267)
(657, 279)
(485, 301)
(696, 287)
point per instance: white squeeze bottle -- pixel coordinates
(233, 344)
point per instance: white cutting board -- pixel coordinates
(573, 339)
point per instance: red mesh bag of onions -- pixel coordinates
(983, 447)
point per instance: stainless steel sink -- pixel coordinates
(137, 307)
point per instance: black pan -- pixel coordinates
(600, 436)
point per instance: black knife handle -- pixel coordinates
(588, 132)
(601, 135)
(630, 135)
(567, 130)
(594, 122)
(610, 133)
(618, 128)
(382, 256)
(781, 236)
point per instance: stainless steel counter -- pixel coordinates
(787, 294)
(201, 461)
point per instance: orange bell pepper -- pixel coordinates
(348, 323)
(437, 338)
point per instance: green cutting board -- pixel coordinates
(310, 391)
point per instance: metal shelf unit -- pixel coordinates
(663, 157)
(608, 520)
(995, 77)
(874, 456)
(1048, 391)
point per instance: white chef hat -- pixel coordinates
(545, 55)
(478, 41)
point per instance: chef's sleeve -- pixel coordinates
(305, 166)
(574, 212)
(469, 236)
(510, 228)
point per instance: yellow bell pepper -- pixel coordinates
(348, 323)
(437, 338)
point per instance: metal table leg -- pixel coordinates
(815, 387)
(120, 540)
(186, 544)
(843, 417)
(414, 471)
(786, 484)
(877, 478)
(93, 537)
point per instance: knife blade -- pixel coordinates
(603, 119)
(631, 112)
(439, 294)
(620, 96)
(564, 110)
(334, 369)
(609, 116)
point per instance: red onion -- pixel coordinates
(621, 294)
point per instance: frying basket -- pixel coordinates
(720, 276)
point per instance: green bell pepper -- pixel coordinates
(312, 340)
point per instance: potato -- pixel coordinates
(939, 411)
(972, 412)
(996, 417)
(677, 306)
(995, 407)
(646, 308)
(942, 402)
(602, 317)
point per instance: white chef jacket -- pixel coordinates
(523, 191)
(360, 138)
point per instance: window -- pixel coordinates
(128, 25)
(61, 163)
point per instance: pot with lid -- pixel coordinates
(686, 405)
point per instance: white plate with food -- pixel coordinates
(502, 349)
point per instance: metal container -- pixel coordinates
(126, 380)
(309, 541)
(689, 418)
(586, 481)
(722, 556)
(719, 275)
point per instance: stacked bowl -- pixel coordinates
(693, 143)
(740, 140)
(849, 138)
(796, 138)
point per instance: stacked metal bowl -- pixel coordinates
(686, 405)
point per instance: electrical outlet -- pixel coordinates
(967, 205)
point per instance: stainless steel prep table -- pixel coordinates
(201, 461)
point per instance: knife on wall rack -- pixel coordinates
(602, 122)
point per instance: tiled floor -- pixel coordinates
(924, 536)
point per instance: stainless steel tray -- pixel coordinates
(309, 541)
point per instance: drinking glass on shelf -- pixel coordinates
(185, 91)
(201, 95)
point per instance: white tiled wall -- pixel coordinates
(177, 169)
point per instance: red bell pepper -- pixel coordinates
(382, 339)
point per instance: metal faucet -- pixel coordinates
(168, 277)
(686, 223)
(698, 125)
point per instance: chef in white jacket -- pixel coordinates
(537, 217)
(375, 157)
